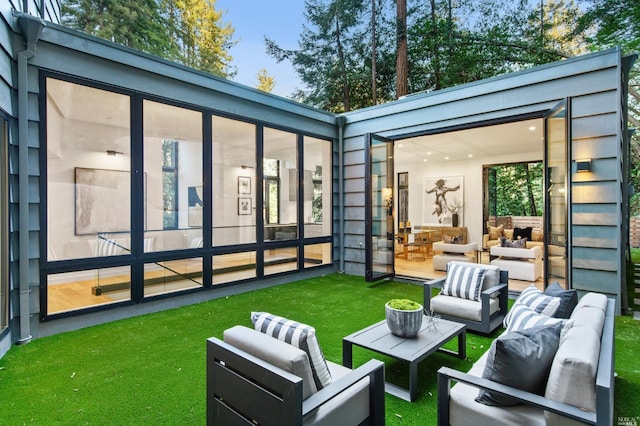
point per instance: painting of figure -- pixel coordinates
(442, 198)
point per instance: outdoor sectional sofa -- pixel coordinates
(579, 386)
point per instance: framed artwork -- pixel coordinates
(244, 206)
(442, 199)
(244, 185)
(102, 201)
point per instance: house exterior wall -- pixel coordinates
(597, 114)
(593, 82)
(84, 57)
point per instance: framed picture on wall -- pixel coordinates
(244, 206)
(244, 185)
(443, 201)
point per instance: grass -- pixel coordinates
(151, 369)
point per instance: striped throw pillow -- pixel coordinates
(537, 301)
(523, 317)
(463, 281)
(299, 335)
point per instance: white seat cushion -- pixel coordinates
(462, 308)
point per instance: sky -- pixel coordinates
(281, 21)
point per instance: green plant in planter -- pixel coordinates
(404, 317)
(404, 304)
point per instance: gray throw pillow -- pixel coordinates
(522, 360)
(568, 299)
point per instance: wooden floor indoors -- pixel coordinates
(422, 268)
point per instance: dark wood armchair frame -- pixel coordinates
(243, 389)
(489, 323)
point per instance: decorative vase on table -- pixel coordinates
(404, 317)
(454, 220)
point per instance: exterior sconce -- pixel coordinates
(583, 165)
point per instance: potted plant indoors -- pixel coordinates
(404, 317)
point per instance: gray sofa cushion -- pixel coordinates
(568, 299)
(465, 411)
(521, 360)
(275, 352)
(573, 373)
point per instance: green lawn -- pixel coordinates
(151, 369)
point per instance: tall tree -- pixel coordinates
(402, 62)
(137, 24)
(266, 82)
(190, 32)
(331, 55)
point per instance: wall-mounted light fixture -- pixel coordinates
(112, 153)
(583, 165)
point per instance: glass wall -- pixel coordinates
(4, 225)
(172, 177)
(136, 210)
(88, 172)
(234, 182)
(89, 186)
(317, 199)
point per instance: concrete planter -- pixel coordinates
(403, 323)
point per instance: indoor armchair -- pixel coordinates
(480, 305)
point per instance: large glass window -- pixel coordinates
(234, 182)
(281, 185)
(89, 192)
(172, 177)
(124, 209)
(4, 228)
(88, 172)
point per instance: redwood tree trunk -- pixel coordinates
(402, 66)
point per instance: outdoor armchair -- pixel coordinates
(482, 314)
(267, 387)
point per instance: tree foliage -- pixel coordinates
(448, 43)
(266, 82)
(190, 32)
(516, 190)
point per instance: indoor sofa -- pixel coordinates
(492, 238)
(579, 385)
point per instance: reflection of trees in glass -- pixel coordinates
(169, 184)
(516, 190)
(316, 204)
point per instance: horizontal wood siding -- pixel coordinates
(592, 82)
(634, 232)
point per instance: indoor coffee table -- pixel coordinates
(378, 338)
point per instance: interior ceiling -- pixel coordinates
(478, 142)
